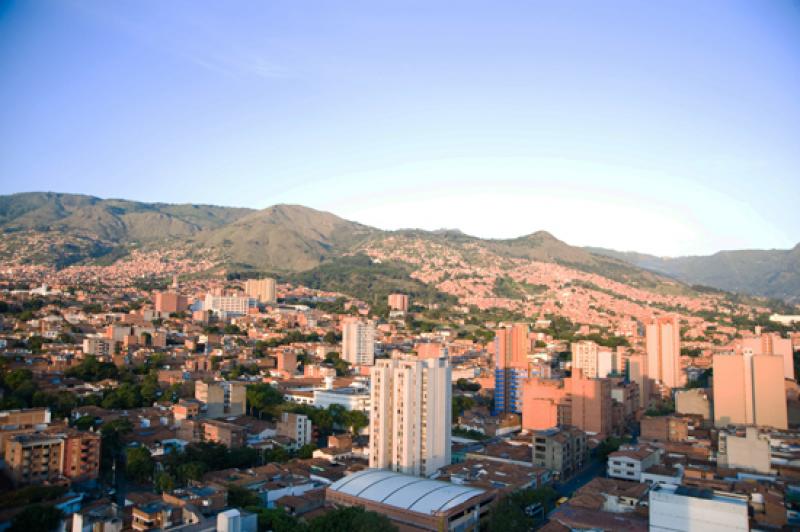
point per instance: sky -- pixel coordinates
(670, 128)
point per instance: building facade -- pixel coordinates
(358, 342)
(749, 390)
(663, 340)
(410, 421)
(511, 348)
(262, 290)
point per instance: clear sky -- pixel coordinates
(665, 127)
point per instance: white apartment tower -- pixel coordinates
(358, 342)
(410, 418)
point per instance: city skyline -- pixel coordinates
(606, 128)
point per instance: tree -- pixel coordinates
(191, 471)
(467, 386)
(607, 446)
(351, 519)
(357, 420)
(514, 512)
(84, 422)
(139, 464)
(263, 398)
(331, 338)
(338, 414)
(460, 404)
(239, 497)
(276, 454)
(37, 517)
(111, 441)
(164, 482)
(306, 451)
(275, 520)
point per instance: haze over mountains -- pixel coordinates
(63, 229)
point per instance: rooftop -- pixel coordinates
(407, 492)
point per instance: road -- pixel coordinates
(595, 469)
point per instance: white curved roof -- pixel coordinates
(416, 494)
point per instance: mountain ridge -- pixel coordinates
(292, 238)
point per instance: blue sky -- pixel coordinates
(663, 127)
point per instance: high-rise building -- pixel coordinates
(591, 403)
(593, 360)
(511, 347)
(410, 420)
(772, 344)
(261, 289)
(398, 302)
(358, 342)
(584, 357)
(635, 370)
(749, 390)
(579, 401)
(663, 337)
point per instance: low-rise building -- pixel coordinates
(750, 451)
(664, 428)
(629, 462)
(413, 503)
(562, 450)
(674, 508)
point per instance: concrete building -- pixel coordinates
(228, 305)
(170, 302)
(693, 402)
(295, 426)
(563, 451)
(635, 368)
(578, 401)
(749, 390)
(411, 503)
(37, 457)
(228, 434)
(33, 458)
(236, 521)
(663, 340)
(410, 419)
(772, 344)
(685, 509)
(398, 302)
(594, 360)
(750, 451)
(99, 346)
(629, 463)
(262, 290)
(584, 357)
(511, 347)
(591, 403)
(22, 418)
(222, 398)
(358, 342)
(349, 397)
(664, 428)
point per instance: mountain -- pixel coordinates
(285, 237)
(63, 229)
(120, 220)
(769, 273)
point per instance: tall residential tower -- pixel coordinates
(410, 421)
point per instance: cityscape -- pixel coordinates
(277, 267)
